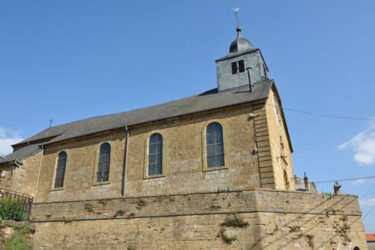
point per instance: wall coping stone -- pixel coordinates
(209, 203)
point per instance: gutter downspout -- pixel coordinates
(38, 175)
(125, 162)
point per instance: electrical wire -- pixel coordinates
(331, 116)
(336, 117)
(369, 191)
(372, 208)
(343, 118)
(349, 179)
(326, 115)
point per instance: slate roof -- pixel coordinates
(22, 153)
(208, 100)
(240, 43)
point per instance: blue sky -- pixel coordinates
(69, 60)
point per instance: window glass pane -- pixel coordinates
(155, 154)
(58, 183)
(210, 150)
(152, 159)
(241, 66)
(220, 160)
(210, 129)
(104, 162)
(151, 170)
(219, 149)
(60, 171)
(215, 146)
(159, 168)
(210, 139)
(105, 176)
(158, 138)
(101, 158)
(61, 162)
(234, 68)
(159, 147)
(104, 148)
(153, 139)
(102, 167)
(102, 176)
(211, 162)
(218, 137)
(152, 149)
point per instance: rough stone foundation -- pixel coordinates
(16, 234)
(256, 219)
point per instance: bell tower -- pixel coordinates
(243, 65)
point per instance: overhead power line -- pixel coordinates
(343, 117)
(369, 212)
(330, 116)
(369, 191)
(349, 179)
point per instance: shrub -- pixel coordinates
(235, 221)
(12, 209)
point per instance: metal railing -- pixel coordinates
(15, 205)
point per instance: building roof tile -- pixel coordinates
(206, 101)
(370, 237)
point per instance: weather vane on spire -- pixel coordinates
(236, 11)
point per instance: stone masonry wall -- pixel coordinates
(81, 167)
(255, 219)
(8, 180)
(262, 140)
(184, 159)
(27, 176)
(281, 153)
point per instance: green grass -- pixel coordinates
(18, 240)
(17, 243)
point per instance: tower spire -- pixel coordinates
(243, 65)
(240, 43)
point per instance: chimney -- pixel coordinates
(306, 181)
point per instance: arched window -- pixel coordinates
(104, 161)
(155, 155)
(60, 171)
(215, 145)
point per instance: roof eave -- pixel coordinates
(30, 142)
(284, 119)
(152, 121)
(231, 55)
(7, 164)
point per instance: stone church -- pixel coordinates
(210, 171)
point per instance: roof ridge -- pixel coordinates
(207, 100)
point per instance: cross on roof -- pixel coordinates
(50, 122)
